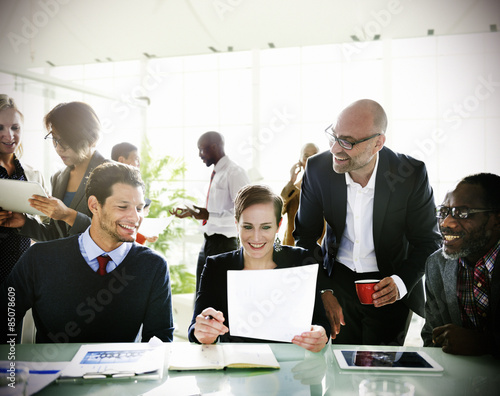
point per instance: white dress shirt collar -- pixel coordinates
(92, 250)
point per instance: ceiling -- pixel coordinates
(37, 33)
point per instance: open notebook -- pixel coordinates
(186, 356)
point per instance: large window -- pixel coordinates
(442, 96)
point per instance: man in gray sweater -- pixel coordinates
(462, 280)
(98, 286)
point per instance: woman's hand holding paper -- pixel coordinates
(313, 340)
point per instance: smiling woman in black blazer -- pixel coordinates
(258, 217)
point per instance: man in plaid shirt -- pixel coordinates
(462, 279)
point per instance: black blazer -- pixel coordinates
(213, 287)
(56, 229)
(404, 223)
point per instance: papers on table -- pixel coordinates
(271, 304)
(41, 373)
(117, 360)
(151, 227)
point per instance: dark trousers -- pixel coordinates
(365, 324)
(213, 244)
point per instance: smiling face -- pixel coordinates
(257, 229)
(473, 237)
(355, 123)
(10, 131)
(118, 220)
(207, 152)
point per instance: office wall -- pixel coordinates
(441, 94)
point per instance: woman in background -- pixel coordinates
(258, 217)
(12, 245)
(74, 129)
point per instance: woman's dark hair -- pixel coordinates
(76, 123)
(256, 194)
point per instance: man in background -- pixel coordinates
(127, 153)
(218, 214)
(462, 279)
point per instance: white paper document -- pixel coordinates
(41, 374)
(101, 361)
(151, 227)
(271, 304)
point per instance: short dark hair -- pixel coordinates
(491, 187)
(105, 176)
(122, 150)
(76, 123)
(253, 194)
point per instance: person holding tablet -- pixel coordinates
(258, 218)
(12, 245)
(74, 130)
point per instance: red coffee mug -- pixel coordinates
(364, 289)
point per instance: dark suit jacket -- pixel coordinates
(213, 287)
(56, 229)
(442, 306)
(404, 222)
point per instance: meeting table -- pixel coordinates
(301, 373)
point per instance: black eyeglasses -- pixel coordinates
(458, 213)
(55, 141)
(345, 144)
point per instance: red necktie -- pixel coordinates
(103, 261)
(208, 193)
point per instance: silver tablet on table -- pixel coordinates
(14, 195)
(386, 360)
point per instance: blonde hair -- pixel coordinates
(6, 102)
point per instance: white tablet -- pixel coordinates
(386, 360)
(14, 195)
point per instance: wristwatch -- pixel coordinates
(326, 290)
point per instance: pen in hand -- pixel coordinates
(209, 326)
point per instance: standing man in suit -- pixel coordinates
(379, 209)
(462, 279)
(218, 214)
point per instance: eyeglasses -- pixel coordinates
(459, 213)
(345, 144)
(55, 141)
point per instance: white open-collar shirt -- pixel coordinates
(357, 249)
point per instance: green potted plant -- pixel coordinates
(162, 179)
